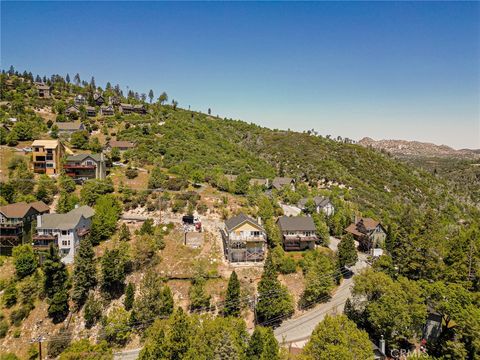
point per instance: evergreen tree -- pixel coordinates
(55, 273)
(58, 306)
(147, 227)
(198, 298)
(274, 302)
(66, 183)
(163, 98)
(84, 272)
(92, 311)
(179, 336)
(232, 299)
(124, 233)
(104, 223)
(270, 350)
(255, 345)
(150, 95)
(129, 296)
(157, 178)
(77, 79)
(112, 273)
(66, 202)
(67, 79)
(347, 254)
(225, 349)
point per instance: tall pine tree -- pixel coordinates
(274, 301)
(232, 300)
(55, 285)
(84, 272)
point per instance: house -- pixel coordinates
(15, 223)
(259, 182)
(47, 155)
(298, 232)
(98, 98)
(126, 108)
(280, 182)
(69, 127)
(85, 166)
(140, 109)
(113, 100)
(244, 239)
(322, 204)
(63, 230)
(80, 100)
(91, 111)
(368, 232)
(43, 90)
(107, 110)
(72, 109)
(121, 145)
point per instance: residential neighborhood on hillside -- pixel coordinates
(141, 219)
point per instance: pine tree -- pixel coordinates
(77, 79)
(124, 233)
(150, 95)
(112, 273)
(274, 302)
(232, 299)
(58, 306)
(255, 345)
(66, 202)
(55, 273)
(179, 336)
(92, 311)
(198, 298)
(225, 349)
(347, 254)
(84, 272)
(129, 296)
(67, 79)
(270, 346)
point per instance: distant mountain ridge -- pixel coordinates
(404, 148)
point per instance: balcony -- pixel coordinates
(78, 166)
(11, 224)
(42, 242)
(248, 238)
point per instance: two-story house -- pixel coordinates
(80, 100)
(47, 155)
(107, 110)
(72, 109)
(99, 99)
(369, 233)
(43, 90)
(63, 230)
(298, 232)
(86, 166)
(16, 221)
(91, 111)
(140, 109)
(126, 108)
(244, 239)
(322, 204)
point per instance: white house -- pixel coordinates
(67, 230)
(322, 204)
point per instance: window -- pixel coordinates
(50, 157)
(255, 233)
(37, 149)
(50, 165)
(49, 151)
(89, 162)
(64, 232)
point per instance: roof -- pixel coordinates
(81, 157)
(126, 106)
(71, 125)
(141, 106)
(236, 221)
(47, 144)
(72, 108)
(296, 223)
(42, 86)
(280, 182)
(66, 221)
(89, 108)
(19, 210)
(105, 107)
(258, 182)
(318, 200)
(121, 144)
(362, 226)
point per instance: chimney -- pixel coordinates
(39, 221)
(381, 345)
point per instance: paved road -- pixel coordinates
(299, 329)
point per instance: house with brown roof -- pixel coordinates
(126, 108)
(15, 223)
(72, 109)
(244, 239)
(121, 145)
(43, 90)
(281, 182)
(322, 204)
(368, 232)
(107, 110)
(298, 232)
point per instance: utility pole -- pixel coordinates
(39, 339)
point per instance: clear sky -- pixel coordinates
(406, 70)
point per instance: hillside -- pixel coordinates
(403, 148)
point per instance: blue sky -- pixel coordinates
(405, 70)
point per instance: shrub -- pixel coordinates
(3, 328)
(17, 316)
(59, 342)
(131, 173)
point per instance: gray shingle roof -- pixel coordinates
(235, 221)
(280, 182)
(296, 223)
(75, 125)
(319, 201)
(66, 221)
(81, 157)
